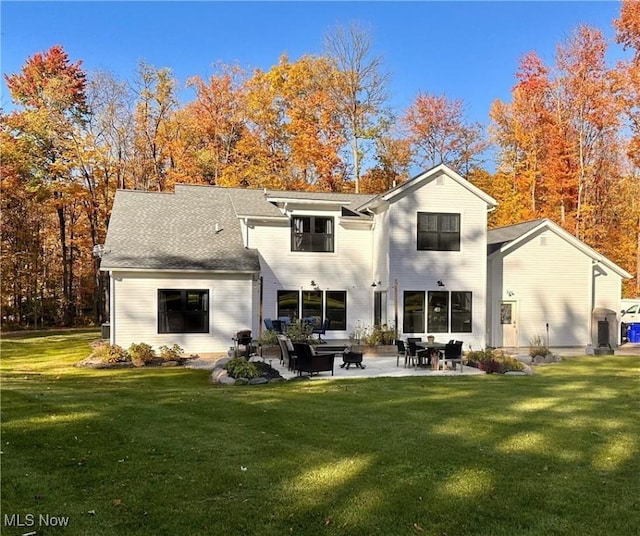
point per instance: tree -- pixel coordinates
(51, 91)
(359, 88)
(439, 134)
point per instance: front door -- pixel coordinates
(509, 324)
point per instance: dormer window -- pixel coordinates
(438, 231)
(312, 233)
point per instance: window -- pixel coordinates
(461, 312)
(312, 233)
(438, 231)
(438, 313)
(336, 307)
(379, 307)
(312, 306)
(183, 311)
(413, 317)
(288, 304)
(315, 305)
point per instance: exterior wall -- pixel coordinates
(348, 268)
(550, 281)
(463, 270)
(134, 311)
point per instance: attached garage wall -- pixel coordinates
(551, 282)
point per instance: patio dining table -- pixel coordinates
(434, 350)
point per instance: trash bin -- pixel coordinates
(106, 331)
(633, 332)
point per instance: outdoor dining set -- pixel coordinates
(431, 354)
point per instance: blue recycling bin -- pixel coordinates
(633, 332)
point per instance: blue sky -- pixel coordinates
(466, 50)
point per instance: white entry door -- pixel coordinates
(509, 324)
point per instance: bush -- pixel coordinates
(537, 347)
(241, 368)
(268, 338)
(372, 335)
(172, 353)
(299, 331)
(141, 354)
(493, 361)
(109, 353)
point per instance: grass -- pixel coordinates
(163, 451)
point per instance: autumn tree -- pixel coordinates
(52, 93)
(439, 134)
(628, 78)
(153, 131)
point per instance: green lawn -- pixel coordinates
(164, 452)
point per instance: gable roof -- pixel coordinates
(427, 176)
(505, 239)
(195, 228)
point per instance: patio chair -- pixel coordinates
(322, 329)
(309, 361)
(414, 355)
(288, 352)
(402, 353)
(452, 354)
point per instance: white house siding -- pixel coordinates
(135, 319)
(463, 270)
(550, 281)
(348, 268)
(608, 288)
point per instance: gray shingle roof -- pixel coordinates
(164, 231)
(499, 236)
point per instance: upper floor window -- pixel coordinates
(438, 231)
(312, 233)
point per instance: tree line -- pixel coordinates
(567, 147)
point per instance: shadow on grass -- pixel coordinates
(163, 451)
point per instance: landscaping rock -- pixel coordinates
(169, 364)
(277, 380)
(242, 381)
(515, 373)
(222, 362)
(258, 381)
(226, 380)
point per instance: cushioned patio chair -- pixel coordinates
(322, 329)
(309, 361)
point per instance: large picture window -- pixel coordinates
(438, 231)
(336, 307)
(312, 233)
(315, 305)
(438, 312)
(288, 304)
(183, 311)
(413, 314)
(461, 312)
(312, 306)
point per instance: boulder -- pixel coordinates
(258, 381)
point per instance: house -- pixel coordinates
(544, 282)
(195, 266)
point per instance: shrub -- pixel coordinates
(109, 353)
(268, 338)
(171, 353)
(241, 368)
(537, 347)
(493, 361)
(141, 353)
(299, 331)
(372, 335)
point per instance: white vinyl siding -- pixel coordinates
(463, 270)
(135, 319)
(550, 280)
(348, 268)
